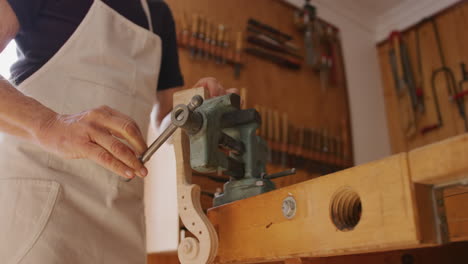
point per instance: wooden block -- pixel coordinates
(440, 163)
(255, 230)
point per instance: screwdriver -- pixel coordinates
(177, 114)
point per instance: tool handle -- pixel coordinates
(459, 95)
(430, 128)
(395, 37)
(269, 29)
(464, 72)
(167, 133)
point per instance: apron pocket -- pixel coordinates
(25, 206)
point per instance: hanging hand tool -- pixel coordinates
(450, 83)
(281, 61)
(270, 135)
(207, 42)
(461, 93)
(306, 21)
(269, 44)
(220, 44)
(299, 155)
(407, 113)
(420, 85)
(214, 42)
(270, 29)
(275, 144)
(226, 47)
(194, 36)
(291, 147)
(284, 140)
(335, 54)
(291, 47)
(184, 32)
(409, 79)
(201, 37)
(238, 54)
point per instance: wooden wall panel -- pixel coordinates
(453, 28)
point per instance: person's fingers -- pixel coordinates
(232, 90)
(214, 87)
(107, 160)
(120, 125)
(119, 150)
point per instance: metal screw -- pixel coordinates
(289, 207)
(196, 101)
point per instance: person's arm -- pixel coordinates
(90, 134)
(8, 29)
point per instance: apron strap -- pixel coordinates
(145, 5)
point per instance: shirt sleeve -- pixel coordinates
(26, 11)
(163, 24)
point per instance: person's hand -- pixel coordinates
(214, 87)
(93, 135)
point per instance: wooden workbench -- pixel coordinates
(398, 203)
(406, 201)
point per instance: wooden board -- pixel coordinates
(442, 162)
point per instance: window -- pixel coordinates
(7, 58)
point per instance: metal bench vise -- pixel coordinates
(223, 139)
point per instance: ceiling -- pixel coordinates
(379, 17)
(375, 7)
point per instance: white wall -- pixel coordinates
(408, 13)
(368, 118)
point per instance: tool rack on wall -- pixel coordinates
(425, 79)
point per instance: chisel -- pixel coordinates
(270, 134)
(270, 29)
(213, 43)
(194, 36)
(201, 37)
(269, 37)
(184, 32)
(407, 116)
(207, 42)
(271, 45)
(284, 140)
(238, 54)
(226, 51)
(283, 62)
(219, 44)
(277, 137)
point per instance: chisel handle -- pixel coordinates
(428, 129)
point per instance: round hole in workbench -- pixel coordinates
(345, 209)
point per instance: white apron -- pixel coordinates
(56, 211)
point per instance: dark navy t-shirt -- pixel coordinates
(45, 25)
